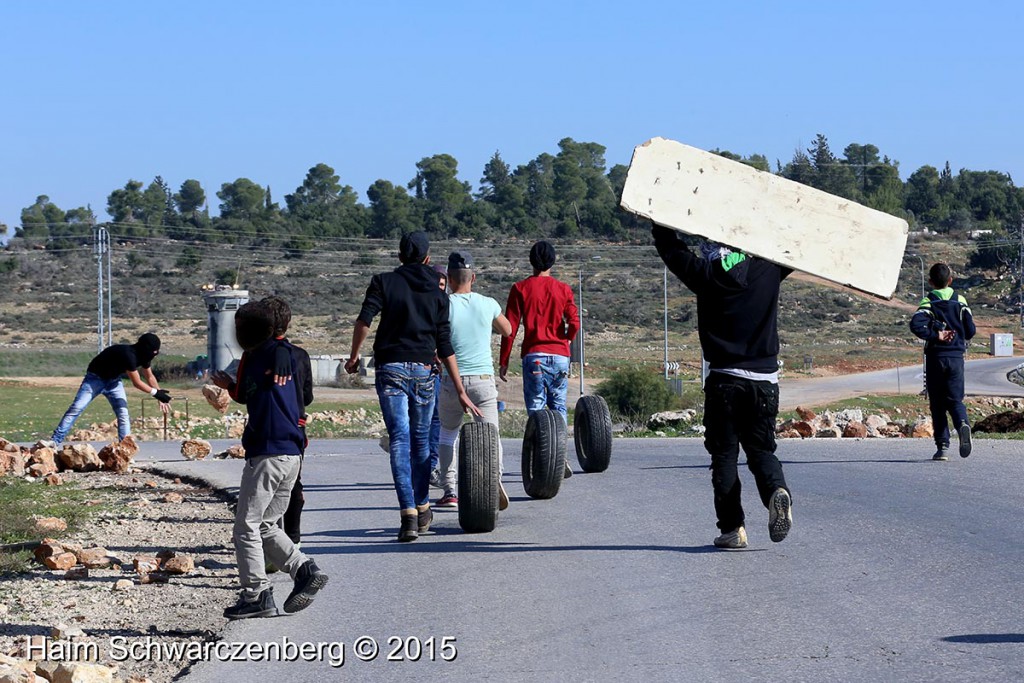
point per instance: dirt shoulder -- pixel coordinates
(139, 519)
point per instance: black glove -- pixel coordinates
(282, 361)
(162, 396)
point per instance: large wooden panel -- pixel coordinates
(700, 193)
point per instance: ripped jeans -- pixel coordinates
(545, 382)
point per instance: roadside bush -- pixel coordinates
(634, 394)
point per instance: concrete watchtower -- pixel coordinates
(221, 303)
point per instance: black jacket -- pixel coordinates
(413, 316)
(737, 307)
(943, 309)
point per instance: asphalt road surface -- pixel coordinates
(897, 569)
(982, 377)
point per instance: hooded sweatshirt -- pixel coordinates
(413, 316)
(944, 309)
(737, 304)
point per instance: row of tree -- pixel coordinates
(568, 195)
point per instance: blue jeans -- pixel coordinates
(406, 394)
(545, 382)
(435, 426)
(93, 386)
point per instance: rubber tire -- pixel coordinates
(544, 454)
(478, 477)
(592, 432)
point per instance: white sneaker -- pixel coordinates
(780, 515)
(732, 540)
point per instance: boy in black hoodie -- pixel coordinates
(413, 330)
(945, 322)
(737, 320)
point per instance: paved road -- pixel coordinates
(898, 569)
(984, 377)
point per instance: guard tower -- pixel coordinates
(221, 303)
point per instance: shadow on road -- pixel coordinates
(986, 638)
(383, 541)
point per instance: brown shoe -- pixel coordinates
(502, 497)
(424, 518)
(408, 531)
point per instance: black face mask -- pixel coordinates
(147, 347)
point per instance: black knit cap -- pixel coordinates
(413, 247)
(542, 256)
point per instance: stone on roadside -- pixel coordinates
(79, 457)
(94, 558)
(195, 449)
(77, 672)
(804, 429)
(122, 585)
(219, 398)
(235, 451)
(830, 432)
(673, 419)
(47, 548)
(153, 577)
(173, 497)
(64, 632)
(145, 564)
(48, 525)
(179, 564)
(118, 456)
(922, 428)
(76, 574)
(41, 462)
(855, 430)
(806, 414)
(16, 672)
(53, 480)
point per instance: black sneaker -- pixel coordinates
(263, 606)
(308, 582)
(410, 528)
(780, 515)
(941, 452)
(423, 520)
(965, 439)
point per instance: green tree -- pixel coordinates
(758, 161)
(829, 174)
(504, 200)
(391, 211)
(125, 204)
(41, 219)
(443, 198)
(922, 195)
(189, 260)
(323, 207)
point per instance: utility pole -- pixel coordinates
(104, 309)
(581, 338)
(664, 290)
(1020, 277)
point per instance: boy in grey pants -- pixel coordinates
(274, 443)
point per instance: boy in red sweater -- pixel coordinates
(545, 308)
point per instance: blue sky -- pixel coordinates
(95, 94)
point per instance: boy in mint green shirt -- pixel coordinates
(474, 318)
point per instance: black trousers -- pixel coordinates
(944, 379)
(740, 412)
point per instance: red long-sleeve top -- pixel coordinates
(546, 309)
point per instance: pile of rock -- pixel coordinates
(851, 424)
(1001, 423)
(43, 460)
(15, 670)
(72, 558)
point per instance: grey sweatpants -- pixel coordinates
(484, 395)
(263, 497)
